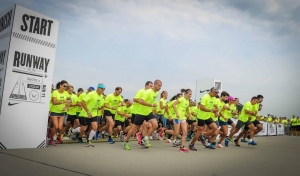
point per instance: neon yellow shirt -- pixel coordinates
(254, 109)
(59, 97)
(80, 98)
(171, 110)
(72, 109)
(113, 101)
(220, 105)
(209, 102)
(269, 119)
(243, 116)
(181, 107)
(232, 109)
(158, 109)
(226, 113)
(125, 110)
(298, 122)
(136, 105)
(294, 121)
(149, 96)
(93, 102)
(99, 112)
(195, 110)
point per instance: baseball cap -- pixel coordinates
(101, 86)
(91, 88)
(230, 98)
(214, 89)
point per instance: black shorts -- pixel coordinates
(229, 122)
(108, 113)
(119, 123)
(71, 118)
(84, 121)
(132, 118)
(205, 122)
(298, 128)
(190, 122)
(139, 119)
(126, 122)
(255, 123)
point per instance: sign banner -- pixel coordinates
(264, 131)
(29, 69)
(271, 129)
(280, 129)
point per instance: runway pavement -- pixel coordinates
(276, 155)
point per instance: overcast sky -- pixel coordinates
(252, 46)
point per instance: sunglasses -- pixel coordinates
(65, 86)
(102, 88)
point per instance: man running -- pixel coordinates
(144, 113)
(245, 120)
(208, 107)
(111, 104)
(88, 115)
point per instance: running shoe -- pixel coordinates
(139, 138)
(236, 143)
(150, 137)
(89, 143)
(80, 141)
(161, 134)
(52, 142)
(111, 141)
(168, 141)
(126, 146)
(147, 142)
(252, 143)
(192, 147)
(226, 142)
(70, 134)
(220, 146)
(176, 143)
(211, 146)
(59, 139)
(202, 139)
(183, 150)
(244, 140)
(122, 136)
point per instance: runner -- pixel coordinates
(208, 107)
(160, 110)
(59, 105)
(144, 113)
(72, 110)
(171, 118)
(88, 116)
(111, 104)
(123, 113)
(255, 119)
(245, 120)
(134, 109)
(181, 108)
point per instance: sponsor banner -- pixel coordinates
(264, 131)
(29, 69)
(271, 129)
(280, 129)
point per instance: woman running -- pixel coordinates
(59, 105)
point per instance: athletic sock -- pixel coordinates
(76, 130)
(92, 134)
(250, 140)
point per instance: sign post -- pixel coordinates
(27, 46)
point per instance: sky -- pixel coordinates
(252, 46)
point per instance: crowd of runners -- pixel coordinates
(178, 120)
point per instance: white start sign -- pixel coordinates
(27, 54)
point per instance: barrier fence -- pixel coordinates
(269, 129)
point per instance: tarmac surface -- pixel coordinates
(276, 155)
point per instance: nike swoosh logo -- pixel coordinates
(11, 104)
